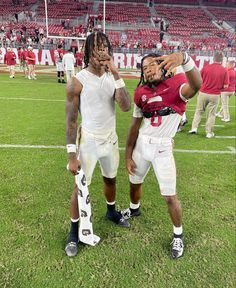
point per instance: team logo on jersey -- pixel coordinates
(144, 98)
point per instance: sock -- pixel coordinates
(111, 206)
(112, 214)
(178, 232)
(184, 118)
(134, 206)
(73, 236)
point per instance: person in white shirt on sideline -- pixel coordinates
(68, 63)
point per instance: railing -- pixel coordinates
(140, 51)
(144, 51)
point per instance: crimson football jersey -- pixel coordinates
(58, 54)
(165, 94)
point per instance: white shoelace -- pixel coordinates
(177, 244)
(126, 214)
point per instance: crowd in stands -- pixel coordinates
(173, 27)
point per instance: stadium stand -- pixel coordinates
(202, 25)
(126, 13)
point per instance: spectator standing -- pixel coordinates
(215, 79)
(10, 60)
(31, 63)
(68, 63)
(227, 93)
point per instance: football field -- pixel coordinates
(35, 190)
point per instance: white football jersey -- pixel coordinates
(68, 61)
(97, 103)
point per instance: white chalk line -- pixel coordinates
(225, 137)
(214, 125)
(31, 99)
(27, 81)
(58, 100)
(231, 150)
(189, 105)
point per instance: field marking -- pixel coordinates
(225, 137)
(189, 105)
(58, 100)
(31, 146)
(231, 150)
(28, 82)
(32, 99)
(214, 125)
(206, 151)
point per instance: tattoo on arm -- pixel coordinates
(72, 104)
(122, 97)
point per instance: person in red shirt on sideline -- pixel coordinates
(31, 63)
(20, 57)
(10, 60)
(25, 62)
(58, 55)
(79, 60)
(159, 102)
(227, 93)
(215, 79)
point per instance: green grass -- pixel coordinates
(35, 193)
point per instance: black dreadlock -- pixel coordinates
(93, 41)
(152, 55)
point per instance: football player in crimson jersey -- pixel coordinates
(159, 102)
(58, 55)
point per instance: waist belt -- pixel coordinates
(162, 112)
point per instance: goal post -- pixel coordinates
(78, 39)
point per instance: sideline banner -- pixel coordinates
(121, 60)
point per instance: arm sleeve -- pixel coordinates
(180, 82)
(137, 113)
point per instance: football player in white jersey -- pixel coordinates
(93, 92)
(160, 101)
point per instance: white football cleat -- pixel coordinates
(177, 248)
(225, 120)
(210, 135)
(193, 131)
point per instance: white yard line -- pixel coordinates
(189, 105)
(30, 82)
(231, 150)
(214, 125)
(205, 151)
(31, 99)
(31, 146)
(225, 137)
(58, 100)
